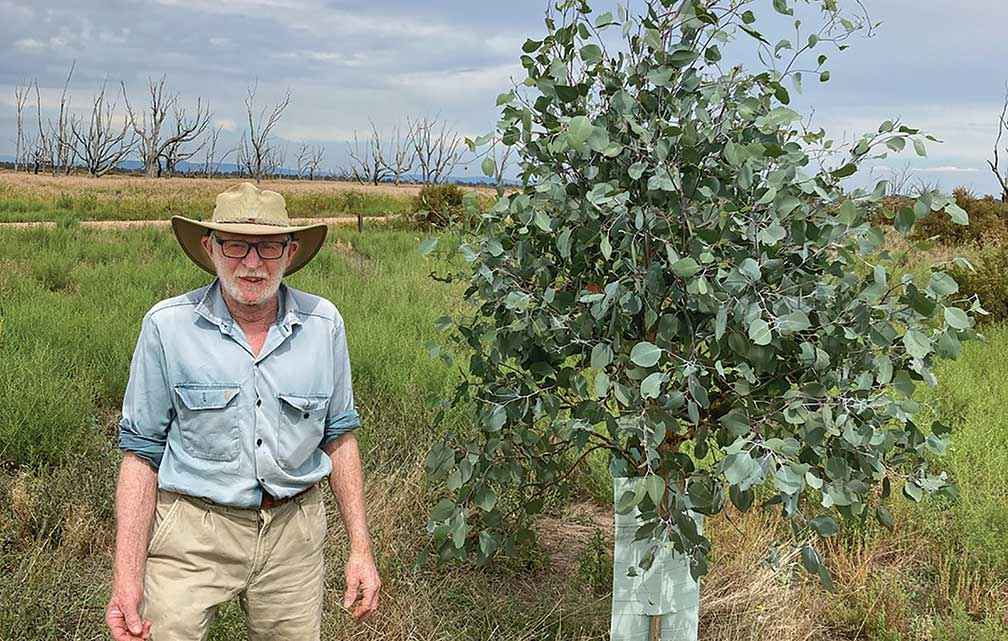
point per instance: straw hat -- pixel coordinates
(246, 209)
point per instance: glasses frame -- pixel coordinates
(249, 246)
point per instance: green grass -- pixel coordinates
(139, 206)
(972, 398)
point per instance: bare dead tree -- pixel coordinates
(153, 148)
(314, 160)
(1002, 125)
(42, 150)
(302, 159)
(341, 173)
(60, 131)
(211, 164)
(273, 161)
(403, 155)
(20, 99)
(438, 148)
(103, 144)
(257, 145)
(368, 163)
(177, 149)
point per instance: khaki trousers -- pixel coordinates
(202, 554)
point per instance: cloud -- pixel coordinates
(351, 61)
(29, 44)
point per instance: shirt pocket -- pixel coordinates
(300, 427)
(208, 420)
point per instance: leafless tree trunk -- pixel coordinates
(257, 146)
(153, 149)
(302, 159)
(438, 148)
(103, 145)
(42, 153)
(1002, 124)
(60, 132)
(20, 99)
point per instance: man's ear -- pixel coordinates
(295, 246)
(207, 243)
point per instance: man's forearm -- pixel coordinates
(347, 483)
(136, 497)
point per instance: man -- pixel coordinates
(239, 401)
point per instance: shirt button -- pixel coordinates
(258, 442)
(258, 402)
(306, 414)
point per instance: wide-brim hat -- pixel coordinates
(246, 209)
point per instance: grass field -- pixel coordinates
(71, 300)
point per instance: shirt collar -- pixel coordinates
(213, 308)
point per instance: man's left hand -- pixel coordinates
(361, 576)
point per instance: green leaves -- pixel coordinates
(489, 166)
(645, 354)
(685, 267)
(651, 386)
(601, 356)
(759, 332)
(957, 318)
(917, 343)
(579, 129)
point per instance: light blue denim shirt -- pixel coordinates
(220, 423)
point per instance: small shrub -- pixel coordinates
(439, 206)
(989, 282)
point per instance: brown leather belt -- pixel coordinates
(269, 501)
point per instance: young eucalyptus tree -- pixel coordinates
(684, 281)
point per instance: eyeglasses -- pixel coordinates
(267, 249)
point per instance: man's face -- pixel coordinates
(251, 280)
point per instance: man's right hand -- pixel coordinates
(122, 615)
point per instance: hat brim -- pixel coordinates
(189, 233)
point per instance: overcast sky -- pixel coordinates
(936, 64)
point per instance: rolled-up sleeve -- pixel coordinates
(342, 416)
(147, 410)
